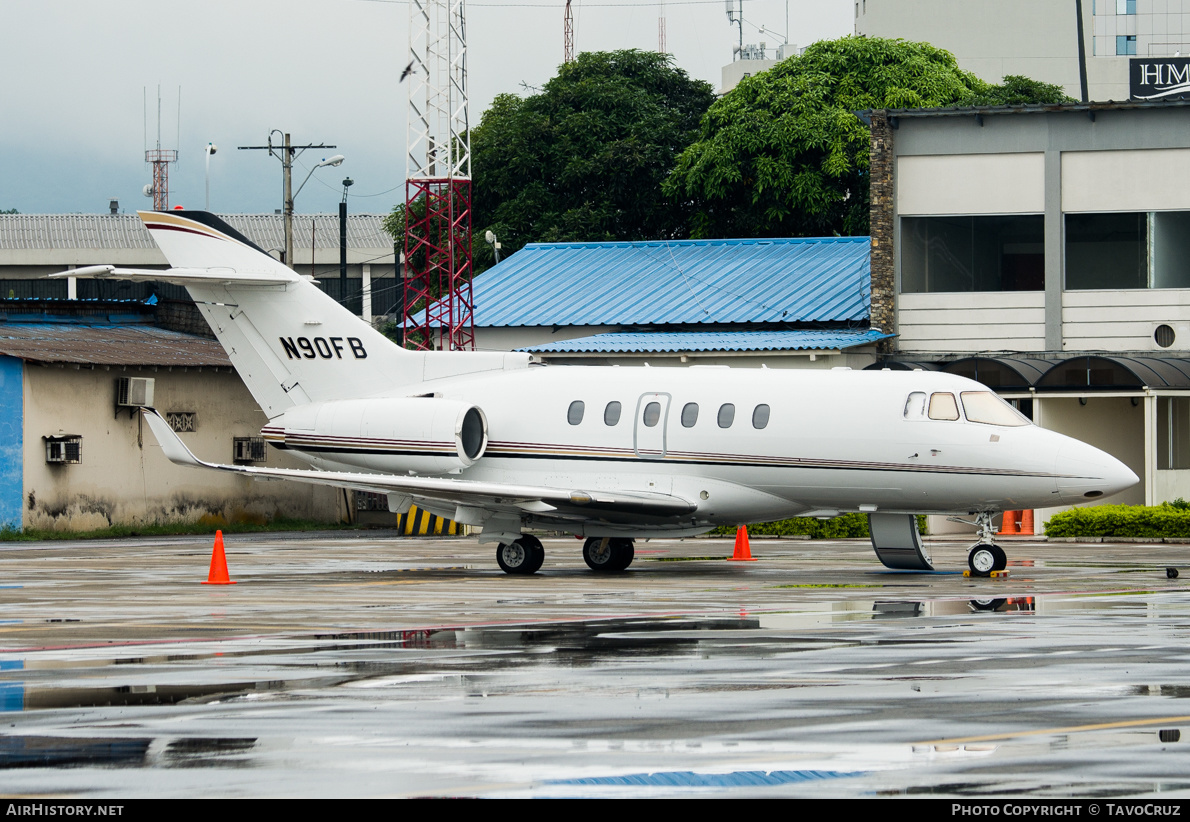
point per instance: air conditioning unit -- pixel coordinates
(249, 449)
(134, 392)
(66, 449)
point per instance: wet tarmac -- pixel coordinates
(371, 665)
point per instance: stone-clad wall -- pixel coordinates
(883, 256)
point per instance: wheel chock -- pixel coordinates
(993, 574)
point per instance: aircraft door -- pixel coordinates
(649, 428)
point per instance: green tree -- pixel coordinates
(584, 159)
(10, 211)
(1017, 91)
(783, 153)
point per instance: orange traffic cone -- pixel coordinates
(1027, 522)
(218, 573)
(1008, 524)
(742, 552)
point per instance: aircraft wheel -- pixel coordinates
(522, 556)
(536, 552)
(625, 551)
(607, 555)
(984, 558)
(987, 604)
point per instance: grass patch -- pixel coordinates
(174, 529)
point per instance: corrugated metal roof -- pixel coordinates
(683, 341)
(102, 344)
(123, 231)
(688, 281)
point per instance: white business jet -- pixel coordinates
(498, 441)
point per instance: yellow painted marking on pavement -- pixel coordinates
(1102, 726)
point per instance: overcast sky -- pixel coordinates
(72, 119)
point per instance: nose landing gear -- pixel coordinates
(985, 556)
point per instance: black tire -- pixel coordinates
(1001, 558)
(536, 553)
(987, 604)
(625, 551)
(517, 557)
(982, 560)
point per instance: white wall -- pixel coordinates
(970, 184)
(968, 322)
(125, 478)
(1124, 320)
(1133, 180)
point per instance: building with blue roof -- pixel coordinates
(792, 302)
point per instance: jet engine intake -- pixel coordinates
(422, 434)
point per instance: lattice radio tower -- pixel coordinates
(160, 159)
(567, 35)
(437, 305)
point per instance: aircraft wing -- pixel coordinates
(491, 496)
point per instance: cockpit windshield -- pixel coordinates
(987, 408)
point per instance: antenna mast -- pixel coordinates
(567, 35)
(437, 293)
(661, 30)
(160, 159)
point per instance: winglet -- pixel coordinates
(175, 450)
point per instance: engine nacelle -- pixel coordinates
(423, 434)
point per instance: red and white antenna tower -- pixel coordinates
(438, 305)
(567, 35)
(661, 30)
(160, 159)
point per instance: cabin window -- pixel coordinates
(760, 416)
(986, 407)
(611, 414)
(652, 414)
(915, 406)
(689, 414)
(574, 415)
(943, 407)
(726, 415)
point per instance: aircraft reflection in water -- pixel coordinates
(497, 441)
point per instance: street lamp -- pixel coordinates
(209, 150)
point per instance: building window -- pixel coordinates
(64, 449)
(992, 253)
(182, 421)
(1173, 432)
(1125, 7)
(1128, 250)
(1125, 44)
(249, 449)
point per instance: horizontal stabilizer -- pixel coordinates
(180, 276)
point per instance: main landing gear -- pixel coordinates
(985, 556)
(522, 556)
(608, 554)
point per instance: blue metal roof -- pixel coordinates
(680, 281)
(681, 341)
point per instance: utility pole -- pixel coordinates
(286, 155)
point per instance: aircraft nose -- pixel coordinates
(1086, 473)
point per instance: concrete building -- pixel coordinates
(775, 302)
(73, 452)
(1046, 252)
(1039, 38)
(33, 246)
